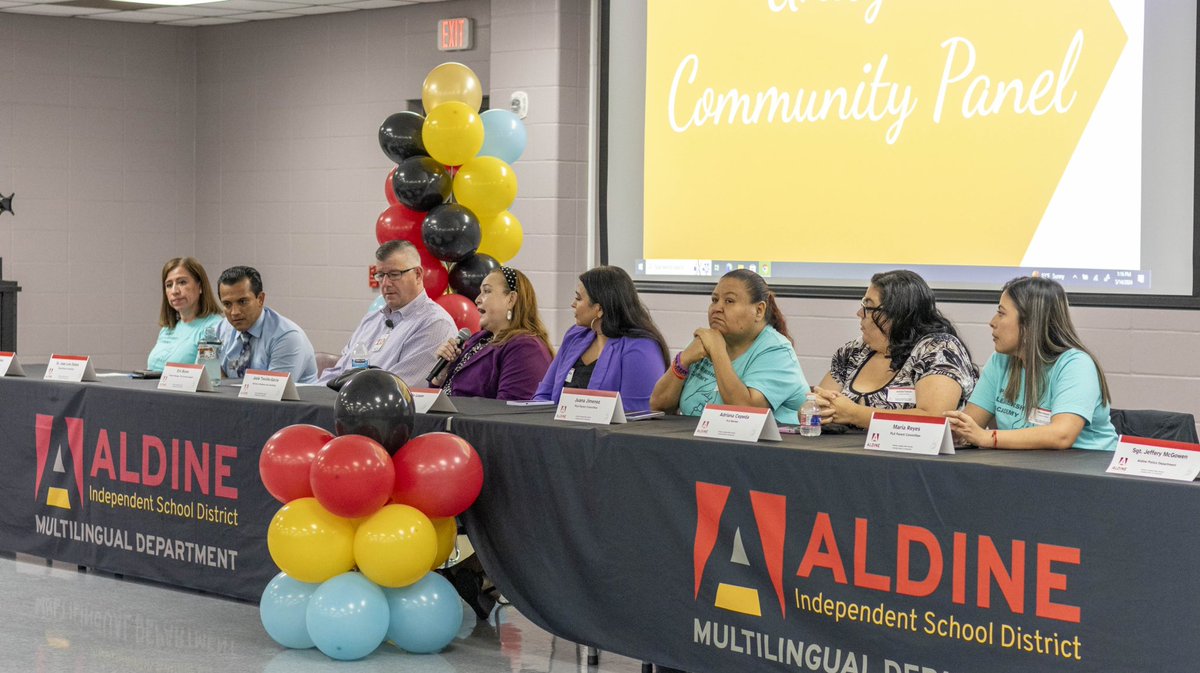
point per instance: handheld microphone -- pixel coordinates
(463, 335)
(389, 323)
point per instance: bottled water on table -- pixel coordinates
(810, 417)
(208, 353)
(358, 357)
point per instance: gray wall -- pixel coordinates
(255, 144)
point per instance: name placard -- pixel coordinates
(185, 378)
(9, 365)
(741, 424)
(1156, 458)
(902, 433)
(590, 406)
(72, 368)
(432, 399)
(263, 385)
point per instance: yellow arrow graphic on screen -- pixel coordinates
(842, 128)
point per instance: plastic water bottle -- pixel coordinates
(358, 357)
(810, 417)
(208, 353)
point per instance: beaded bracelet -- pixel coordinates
(678, 369)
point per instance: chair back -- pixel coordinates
(1173, 426)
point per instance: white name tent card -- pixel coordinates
(73, 368)
(1156, 458)
(590, 406)
(263, 385)
(432, 399)
(9, 365)
(903, 433)
(741, 424)
(185, 378)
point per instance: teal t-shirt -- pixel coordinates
(179, 344)
(770, 367)
(1072, 387)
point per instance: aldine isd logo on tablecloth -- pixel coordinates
(788, 587)
(59, 471)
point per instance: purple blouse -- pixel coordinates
(628, 365)
(510, 371)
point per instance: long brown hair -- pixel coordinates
(1046, 333)
(525, 318)
(167, 317)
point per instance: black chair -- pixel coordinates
(1173, 426)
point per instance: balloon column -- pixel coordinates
(360, 529)
(453, 184)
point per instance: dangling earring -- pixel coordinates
(508, 316)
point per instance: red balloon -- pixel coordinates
(438, 473)
(462, 310)
(436, 278)
(352, 476)
(399, 222)
(286, 458)
(388, 192)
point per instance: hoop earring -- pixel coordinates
(592, 324)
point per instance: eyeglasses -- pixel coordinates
(393, 275)
(868, 309)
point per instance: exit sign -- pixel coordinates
(455, 34)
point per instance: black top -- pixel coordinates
(580, 375)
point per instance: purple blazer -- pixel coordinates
(628, 365)
(510, 371)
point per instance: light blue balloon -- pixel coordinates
(282, 611)
(377, 304)
(425, 616)
(347, 616)
(504, 135)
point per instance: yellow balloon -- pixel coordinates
(447, 535)
(486, 185)
(502, 237)
(452, 133)
(308, 543)
(451, 82)
(396, 546)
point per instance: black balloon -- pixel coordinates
(421, 183)
(376, 403)
(400, 136)
(451, 232)
(468, 275)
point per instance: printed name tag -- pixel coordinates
(740, 424)
(378, 345)
(185, 378)
(9, 365)
(262, 385)
(590, 406)
(903, 433)
(1040, 416)
(1156, 458)
(73, 368)
(902, 395)
(432, 399)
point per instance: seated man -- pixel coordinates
(401, 337)
(255, 337)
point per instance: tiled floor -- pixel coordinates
(55, 618)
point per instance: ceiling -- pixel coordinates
(207, 14)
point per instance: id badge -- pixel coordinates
(902, 395)
(570, 375)
(1040, 416)
(378, 345)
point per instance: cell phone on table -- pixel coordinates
(145, 374)
(642, 415)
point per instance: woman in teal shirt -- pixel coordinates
(189, 307)
(1038, 357)
(743, 358)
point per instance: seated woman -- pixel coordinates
(614, 344)
(744, 357)
(508, 356)
(189, 307)
(1041, 387)
(909, 358)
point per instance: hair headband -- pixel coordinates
(510, 277)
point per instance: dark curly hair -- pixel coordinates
(906, 302)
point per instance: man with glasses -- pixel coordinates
(402, 336)
(255, 337)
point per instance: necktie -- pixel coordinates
(243, 360)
